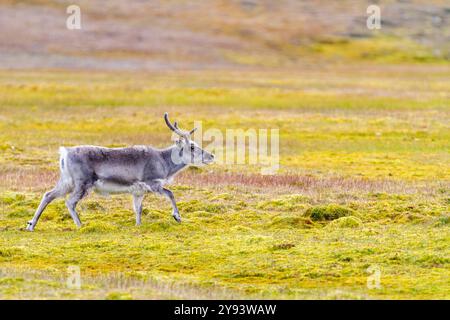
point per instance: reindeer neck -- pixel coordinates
(172, 167)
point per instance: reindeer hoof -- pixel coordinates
(29, 226)
(177, 218)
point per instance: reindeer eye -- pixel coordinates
(192, 147)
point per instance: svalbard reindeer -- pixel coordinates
(135, 170)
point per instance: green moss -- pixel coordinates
(11, 198)
(98, 227)
(376, 49)
(346, 222)
(242, 229)
(197, 205)
(18, 204)
(119, 296)
(291, 222)
(443, 220)
(433, 260)
(221, 196)
(10, 281)
(328, 212)
(285, 203)
(160, 226)
(94, 206)
(283, 246)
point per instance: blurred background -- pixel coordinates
(176, 34)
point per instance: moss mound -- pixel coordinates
(328, 213)
(291, 222)
(346, 222)
(285, 203)
(11, 197)
(98, 227)
(196, 205)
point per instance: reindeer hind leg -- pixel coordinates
(79, 193)
(59, 191)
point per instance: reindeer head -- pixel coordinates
(187, 151)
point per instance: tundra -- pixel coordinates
(135, 170)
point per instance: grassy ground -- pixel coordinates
(363, 183)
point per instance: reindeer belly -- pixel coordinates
(106, 187)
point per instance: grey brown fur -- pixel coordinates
(135, 170)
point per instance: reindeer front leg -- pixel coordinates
(169, 194)
(156, 186)
(175, 212)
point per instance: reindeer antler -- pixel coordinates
(172, 127)
(175, 127)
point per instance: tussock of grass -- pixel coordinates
(6, 252)
(442, 221)
(9, 252)
(94, 206)
(283, 246)
(328, 212)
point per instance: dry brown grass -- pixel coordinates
(305, 183)
(31, 179)
(26, 179)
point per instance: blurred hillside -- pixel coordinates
(153, 35)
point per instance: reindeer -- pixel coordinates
(135, 170)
